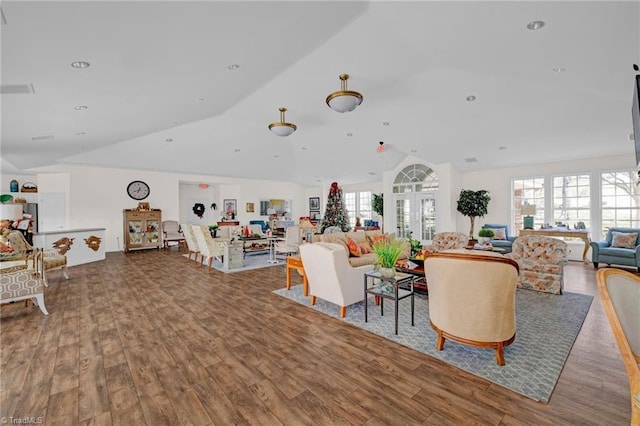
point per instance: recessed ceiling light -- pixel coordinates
(471, 98)
(236, 150)
(199, 100)
(502, 148)
(168, 140)
(233, 67)
(80, 107)
(80, 64)
(535, 25)
(413, 151)
(385, 123)
(559, 69)
(349, 134)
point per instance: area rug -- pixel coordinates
(547, 326)
(250, 261)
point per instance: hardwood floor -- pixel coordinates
(151, 338)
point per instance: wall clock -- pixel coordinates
(138, 190)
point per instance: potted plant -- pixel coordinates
(416, 245)
(377, 204)
(213, 229)
(473, 204)
(486, 234)
(387, 255)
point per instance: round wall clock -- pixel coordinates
(138, 190)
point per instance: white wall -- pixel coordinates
(97, 196)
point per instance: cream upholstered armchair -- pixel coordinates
(449, 241)
(541, 260)
(472, 299)
(291, 242)
(208, 247)
(620, 292)
(330, 276)
(172, 233)
(24, 284)
(52, 259)
(190, 238)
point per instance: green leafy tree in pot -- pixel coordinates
(473, 204)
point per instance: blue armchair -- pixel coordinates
(607, 252)
(262, 223)
(503, 244)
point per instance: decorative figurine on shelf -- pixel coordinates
(358, 221)
(246, 230)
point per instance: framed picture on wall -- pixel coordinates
(250, 208)
(230, 208)
(314, 204)
(314, 215)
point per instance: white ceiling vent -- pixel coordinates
(471, 160)
(42, 138)
(7, 89)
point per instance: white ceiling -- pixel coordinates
(414, 62)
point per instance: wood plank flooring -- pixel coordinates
(151, 338)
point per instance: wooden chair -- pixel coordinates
(51, 259)
(472, 299)
(620, 293)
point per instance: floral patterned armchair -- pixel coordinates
(448, 241)
(541, 261)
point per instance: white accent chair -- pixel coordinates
(330, 275)
(172, 233)
(208, 247)
(472, 299)
(620, 293)
(192, 244)
(51, 258)
(291, 243)
(23, 284)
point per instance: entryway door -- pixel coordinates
(416, 213)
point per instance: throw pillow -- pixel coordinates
(378, 239)
(624, 240)
(365, 248)
(501, 233)
(354, 248)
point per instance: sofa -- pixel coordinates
(620, 247)
(361, 253)
(503, 239)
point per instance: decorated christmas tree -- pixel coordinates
(335, 213)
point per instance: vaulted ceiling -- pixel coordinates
(190, 87)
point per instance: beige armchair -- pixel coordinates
(620, 293)
(192, 244)
(472, 299)
(449, 241)
(52, 259)
(291, 242)
(208, 247)
(541, 261)
(172, 233)
(24, 284)
(330, 276)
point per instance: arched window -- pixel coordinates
(415, 178)
(414, 196)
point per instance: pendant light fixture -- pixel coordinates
(282, 128)
(344, 100)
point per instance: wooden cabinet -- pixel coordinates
(142, 229)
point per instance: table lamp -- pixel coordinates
(528, 210)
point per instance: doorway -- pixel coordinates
(415, 202)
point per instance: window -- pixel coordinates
(528, 191)
(572, 201)
(620, 200)
(358, 204)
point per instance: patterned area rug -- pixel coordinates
(547, 326)
(250, 261)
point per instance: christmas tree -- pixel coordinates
(336, 213)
